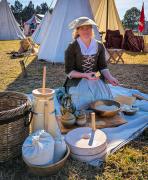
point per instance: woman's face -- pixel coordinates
(85, 32)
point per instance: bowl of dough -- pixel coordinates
(105, 108)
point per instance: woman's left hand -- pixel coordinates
(113, 81)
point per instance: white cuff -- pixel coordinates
(104, 70)
(69, 75)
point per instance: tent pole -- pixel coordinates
(107, 17)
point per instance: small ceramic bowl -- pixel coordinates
(129, 110)
(132, 111)
(68, 123)
(81, 122)
(80, 117)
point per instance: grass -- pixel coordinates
(130, 162)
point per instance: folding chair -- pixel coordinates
(115, 56)
(113, 45)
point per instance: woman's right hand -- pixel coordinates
(91, 76)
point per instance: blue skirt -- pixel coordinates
(88, 91)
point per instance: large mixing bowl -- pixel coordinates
(112, 108)
(47, 170)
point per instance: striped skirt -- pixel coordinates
(88, 91)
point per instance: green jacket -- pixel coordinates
(73, 61)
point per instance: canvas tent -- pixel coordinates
(59, 36)
(9, 28)
(31, 25)
(146, 28)
(106, 15)
(41, 30)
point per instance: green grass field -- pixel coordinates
(130, 162)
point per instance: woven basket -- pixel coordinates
(15, 111)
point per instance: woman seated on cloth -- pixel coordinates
(84, 57)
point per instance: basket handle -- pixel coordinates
(26, 124)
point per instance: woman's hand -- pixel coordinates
(113, 81)
(109, 77)
(91, 76)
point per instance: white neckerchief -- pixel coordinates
(92, 49)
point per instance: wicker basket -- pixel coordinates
(14, 123)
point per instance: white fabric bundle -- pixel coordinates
(59, 148)
(38, 148)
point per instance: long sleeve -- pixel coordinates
(69, 59)
(102, 64)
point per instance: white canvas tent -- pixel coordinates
(41, 30)
(106, 15)
(31, 25)
(9, 28)
(146, 28)
(59, 36)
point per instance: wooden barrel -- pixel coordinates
(44, 111)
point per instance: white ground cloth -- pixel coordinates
(119, 136)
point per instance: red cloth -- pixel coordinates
(141, 20)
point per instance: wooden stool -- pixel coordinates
(115, 55)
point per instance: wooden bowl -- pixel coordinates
(48, 169)
(105, 113)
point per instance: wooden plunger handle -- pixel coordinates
(93, 121)
(139, 97)
(44, 80)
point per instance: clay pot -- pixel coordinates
(68, 119)
(80, 118)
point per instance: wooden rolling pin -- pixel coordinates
(139, 97)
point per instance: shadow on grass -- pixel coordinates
(135, 53)
(132, 75)
(141, 142)
(16, 169)
(54, 78)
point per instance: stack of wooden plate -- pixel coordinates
(86, 144)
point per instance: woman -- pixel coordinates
(84, 57)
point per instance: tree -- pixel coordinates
(44, 8)
(28, 11)
(17, 10)
(131, 18)
(38, 10)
